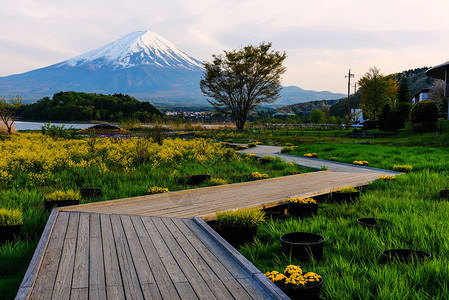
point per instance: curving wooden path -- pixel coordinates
(159, 247)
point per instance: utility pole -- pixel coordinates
(355, 98)
(349, 92)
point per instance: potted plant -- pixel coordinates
(348, 193)
(266, 159)
(10, 223)
(304, 246)
(239, 226)
(405, 255)
(91, 192)
(61, 198)
(297, 284)
(302, 207)
(372, 223)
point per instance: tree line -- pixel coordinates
(79, 106)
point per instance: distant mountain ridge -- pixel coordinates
(142, 64)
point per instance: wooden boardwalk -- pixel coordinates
(159, 247)
(205, 202)
(101, 256)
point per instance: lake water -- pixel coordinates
(19, 125)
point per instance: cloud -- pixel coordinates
(323, 39)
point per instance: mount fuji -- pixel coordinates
(142, 64)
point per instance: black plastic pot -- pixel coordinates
(265, 161)
(91, 192)
(302, 210)
(49, 205)
(345, 197)
(372, 223)
(198, 179)
(307, 293)
(303, 245)
(238, 235)
(405, 255)
(9, 232)
(444, 194)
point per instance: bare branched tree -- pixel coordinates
(8, 111)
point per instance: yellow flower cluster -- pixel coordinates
(60, 195)
(301, 200)
(38, 178)
(289, 163)
(312, 155)
(293, 276)
(258, 143)
(157, 190)
(387, 177)
(402, 168)
(360, 162)
(257, 175)
(276, 277)
(37, 153)
(5, 177)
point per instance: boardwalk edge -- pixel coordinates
(258, 276)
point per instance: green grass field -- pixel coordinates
(351, 266)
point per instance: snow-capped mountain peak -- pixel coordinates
(137, 48)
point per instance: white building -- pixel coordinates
(421, 95)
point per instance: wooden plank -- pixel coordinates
(114, 284)
(143, 270)
(79, 294)
(170, 264)
(45, 280)
(254, 289)
(81, 266)
(185, 290)
(33, 267)
(97, 281)
(63, 281)
(131, 283)
(218, 250)
(190, 240)
(191, 273)
(163, 279)
(215, 284)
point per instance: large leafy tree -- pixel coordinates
(8, 111)
(376, 91)
(240, 80)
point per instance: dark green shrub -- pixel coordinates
(394, 121)
(424, 116)
(383, 117)
(424, 111)
(424, 127)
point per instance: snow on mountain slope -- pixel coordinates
(137, 48)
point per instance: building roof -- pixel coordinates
(424, 90)
(438, 72)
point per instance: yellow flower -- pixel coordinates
(302, 201)
(157, 190)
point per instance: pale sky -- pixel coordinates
(323, 39)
